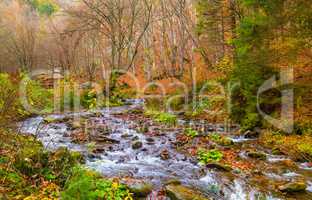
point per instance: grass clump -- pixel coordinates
(205, 157)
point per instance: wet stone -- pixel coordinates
(164, 155)
(126, 136)
(135, 138)
(137, 145)
(257, 155)
(219, 166)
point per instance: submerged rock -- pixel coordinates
(298, 186)
(126, 136)
(103, 139)
(256, 155)
(140, 189)
(164, 155)
(150, 140)
(179, 192)
(137, 145)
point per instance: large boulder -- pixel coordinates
(297, 186)
(180, 192)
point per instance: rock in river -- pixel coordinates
(137, 145)
(256, 155)
(179, 192)
(165, 154)
(140, 189)
(298, 186)
(219, 166)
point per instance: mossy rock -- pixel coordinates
(137, 145)
(219, 166)
(180, 192)
(140, 189)
(225, 142)
(257, 155)
(298, 186)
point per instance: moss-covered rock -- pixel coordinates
(140, 189)
(137, 145)
(219, 166)
(298, 186)
(257, 155)
(180, 192)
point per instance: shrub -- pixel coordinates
(191, 133)
(11, 106)
(61, 162)
(205, 157)
(87, 185)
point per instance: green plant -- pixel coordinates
(205, 156)
(166, 118)
(7, 96)
(87, 185)
(89, 99)
(191, 133)
(44, 7)
(37, 96)
(215, 137)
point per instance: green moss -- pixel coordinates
(250, 121)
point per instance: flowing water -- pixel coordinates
(119, 159)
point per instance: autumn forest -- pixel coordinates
(156, 99)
